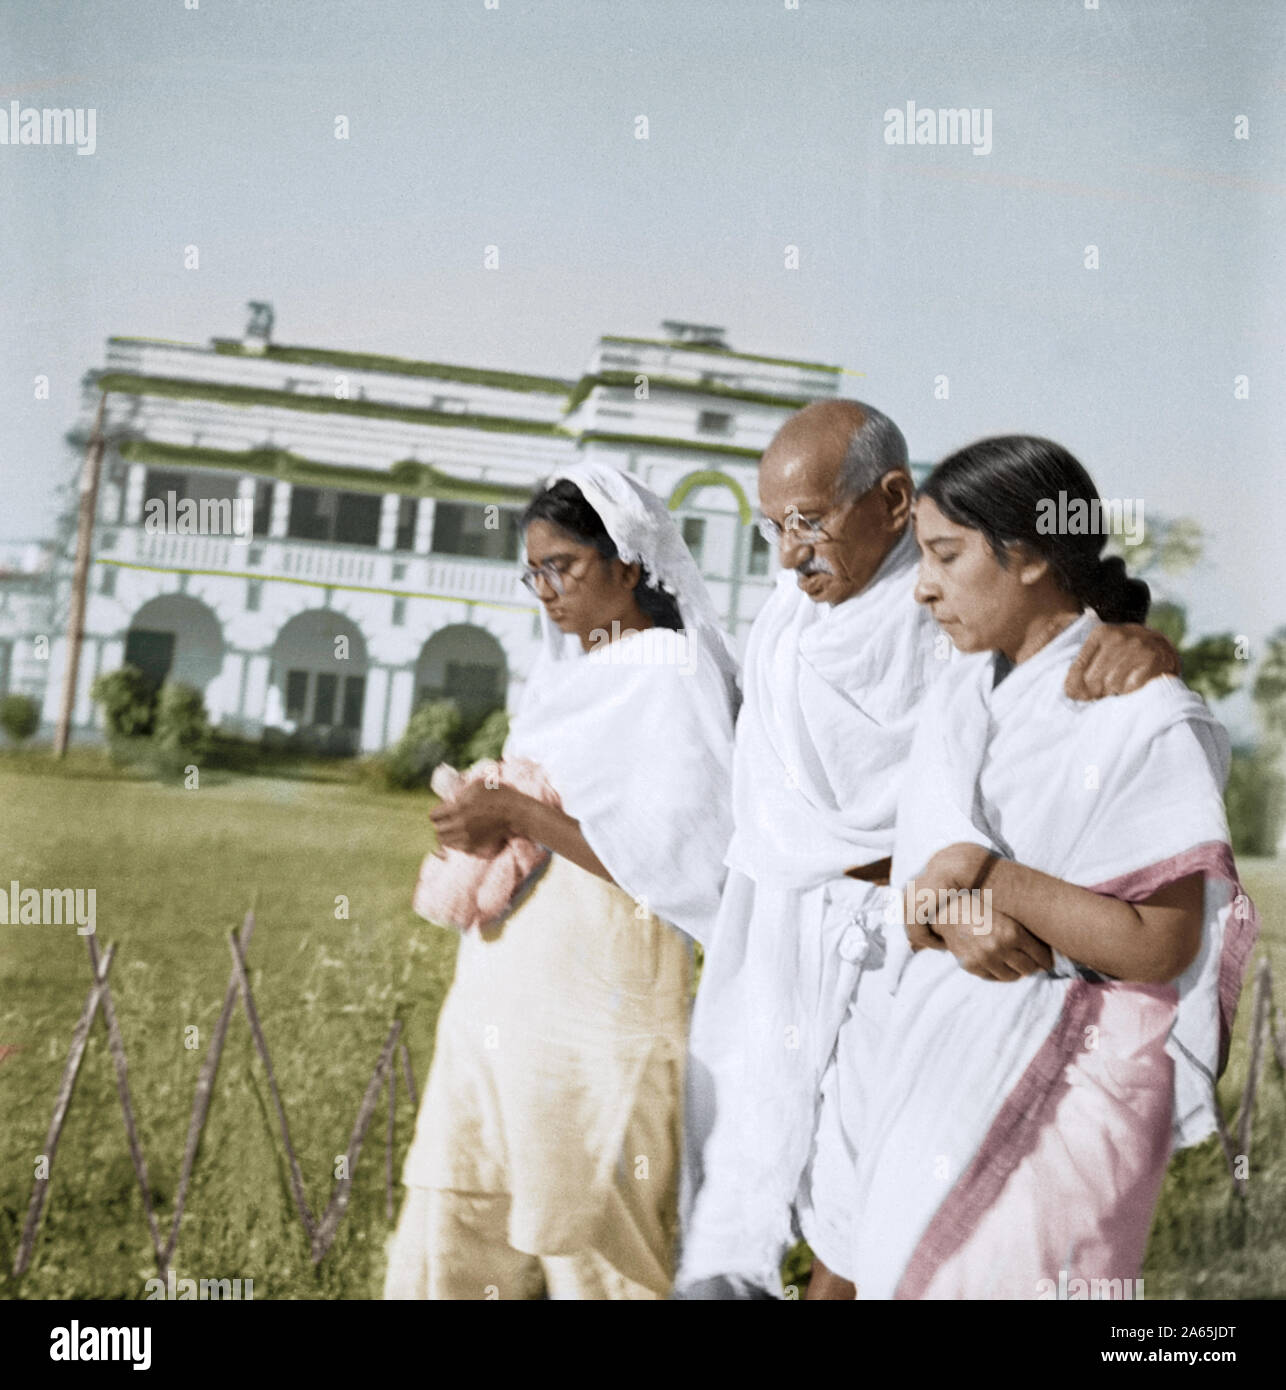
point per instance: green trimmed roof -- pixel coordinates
(697, 388)
(408, 476)
(657, 441)
(244, 396)
(404, 366)
(677, 346)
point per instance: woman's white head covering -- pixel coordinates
(644, 532)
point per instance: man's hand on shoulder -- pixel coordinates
(1118, 658)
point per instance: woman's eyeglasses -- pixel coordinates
(552, 574)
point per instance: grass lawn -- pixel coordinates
(174, 871)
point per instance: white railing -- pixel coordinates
(332, 566)
(188, 552)
(494, 581)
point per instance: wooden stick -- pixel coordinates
(116, 1045)
(248, 1003)
(79, 1037)
(204, 1090)
(409, 1076)
(88, 505)
(339, 1199)
(388, 1144)
(1258, 1026)
(1229, 1148)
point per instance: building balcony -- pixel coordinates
(446, 576)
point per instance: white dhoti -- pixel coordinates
(832, 696)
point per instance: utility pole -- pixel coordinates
(80, 577)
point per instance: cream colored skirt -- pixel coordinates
(545, 1157)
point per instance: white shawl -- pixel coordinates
(832, 695)
(636, 734)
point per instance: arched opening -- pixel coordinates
(711, 477)
(465, 664)
(317, 689)
(175, 637)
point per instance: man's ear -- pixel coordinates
(898, 492)
(630, 575)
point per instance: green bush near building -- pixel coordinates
(128, 701)
(19, 717)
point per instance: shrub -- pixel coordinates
(128, 700)
(431, 737)
(487, 740)
(19, 717)
(181, 721)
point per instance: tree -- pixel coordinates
(1211, 665)
(1269, 689)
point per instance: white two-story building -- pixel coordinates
(381, 568)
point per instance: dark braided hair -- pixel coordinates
(997, 486)
(563, 505)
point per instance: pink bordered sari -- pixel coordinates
(1016, 1134)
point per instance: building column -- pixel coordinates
(136, 481)
(279, 521)
(113, 654)
(424, 526)
(388, 521)
(377, 684)
(90, 657)
(255, 699)
(246, 503)
(111, 497)
(401, 695)
(223, 693)
(54, 681)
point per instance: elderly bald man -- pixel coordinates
(838, 663)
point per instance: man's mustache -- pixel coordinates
(814, 565)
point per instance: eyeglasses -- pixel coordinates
(550, 572)
(809, 529)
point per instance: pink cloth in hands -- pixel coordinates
(469, 891)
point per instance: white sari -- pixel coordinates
(1017, 1132)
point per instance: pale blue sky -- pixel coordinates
(515, 127)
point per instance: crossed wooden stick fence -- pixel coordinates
(320, 1232)
(1262, 1005)
(1266, 1020)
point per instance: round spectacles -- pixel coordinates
(553, 576)
(809, 529)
